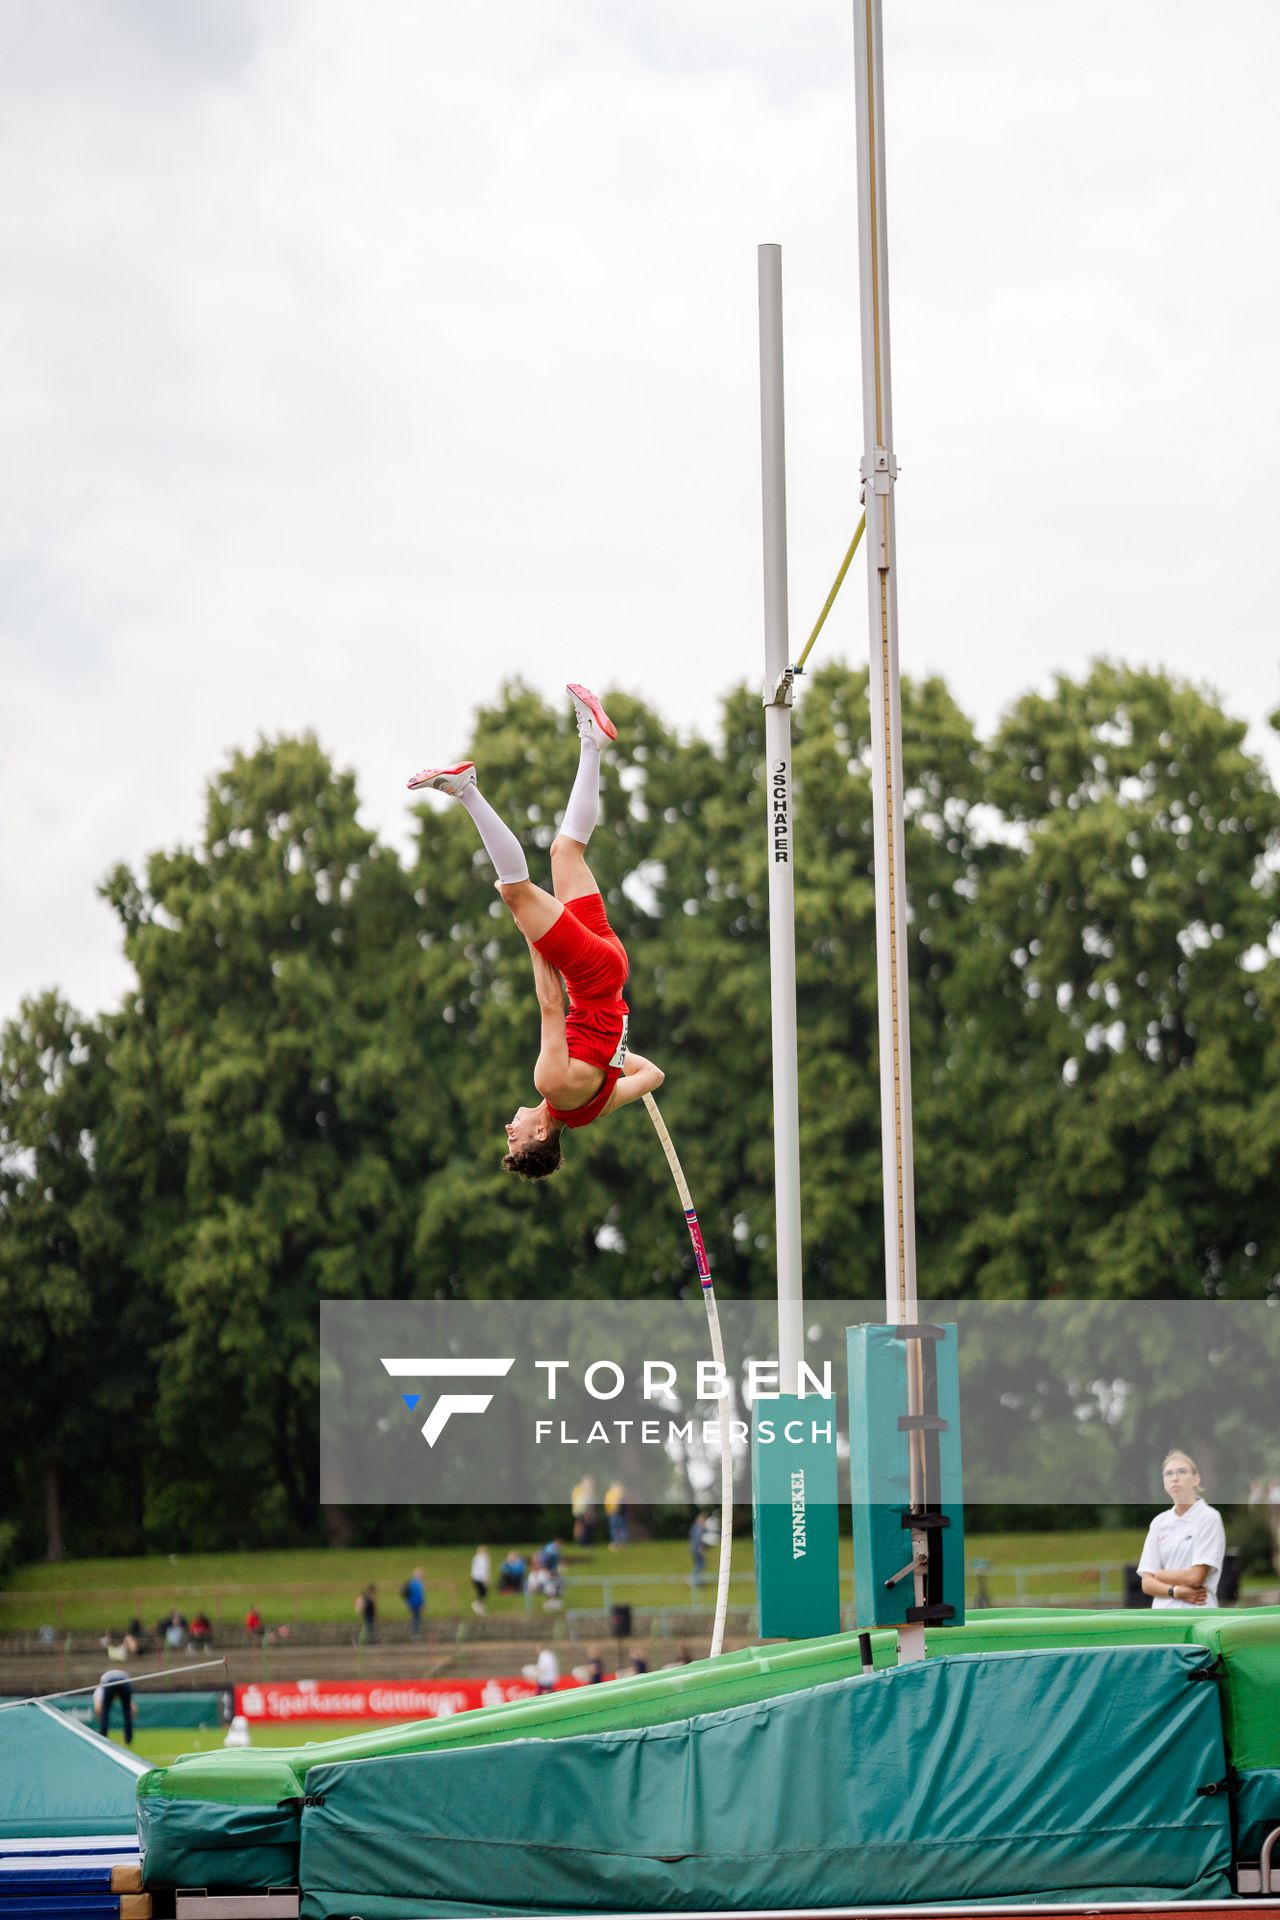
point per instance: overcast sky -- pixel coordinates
(357, 354)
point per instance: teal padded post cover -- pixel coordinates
(1053, 1776)
(880, 1472)
(795, 1515)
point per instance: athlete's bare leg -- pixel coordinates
(534, 909)
(571, 877)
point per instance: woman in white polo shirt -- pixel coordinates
(1183, 1552)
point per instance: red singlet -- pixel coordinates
(585, 949)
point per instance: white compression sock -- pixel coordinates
(583, 810)
(500, 843)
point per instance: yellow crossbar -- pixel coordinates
(831, 597)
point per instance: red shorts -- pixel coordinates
(586, 950)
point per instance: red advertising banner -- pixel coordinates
(380, 1699)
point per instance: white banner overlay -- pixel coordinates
(1062, 1402)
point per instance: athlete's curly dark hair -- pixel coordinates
(538, 1161)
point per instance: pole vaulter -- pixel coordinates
(584, 1068)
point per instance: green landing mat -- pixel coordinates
(231, 1818)
(1067, 1773)
(59, 1781)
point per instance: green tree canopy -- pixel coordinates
(303, 1099)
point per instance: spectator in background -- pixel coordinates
(135, 1635)
(481, 1575)
(538, 1576)
(201, 1631)
(1182, 1555)
(551, 1555)
(546, 1671)
(175, 1633)
(615, 1507)
(639, 1661)
(367, 1609)
(114, 1685)
(544, 1580)
(583, 1503)
(254, 1625)
(698, 1548)
(414, 1595)
(512, 1573)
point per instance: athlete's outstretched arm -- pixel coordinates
(553, 1053)
(639, 1076)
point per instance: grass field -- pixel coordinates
(320, 1585)
(161, 1745)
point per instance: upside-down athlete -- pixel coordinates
(584, 1069)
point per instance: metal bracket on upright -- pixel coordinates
(782, 693)
(919, 1563)
(883, 470)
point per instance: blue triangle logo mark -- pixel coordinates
(411, 1400)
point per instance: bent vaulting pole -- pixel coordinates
(879, 475)
(717, 1354)
(778, 690)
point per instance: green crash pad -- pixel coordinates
(1248, 1642)
(230, 1818)
(1070, 1774)
(59, 1781)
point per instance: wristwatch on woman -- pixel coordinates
(1172, 1592)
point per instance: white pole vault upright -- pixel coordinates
(782, 909)
(879, 474)
(793, 1481)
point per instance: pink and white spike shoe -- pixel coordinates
(454, 780)
(593, 722)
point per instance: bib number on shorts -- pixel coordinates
(619, 1059)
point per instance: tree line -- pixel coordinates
(302, 1099)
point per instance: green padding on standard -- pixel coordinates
(244, 1779)
(979, 1777)
(1255, 1807)
(881, 1472)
